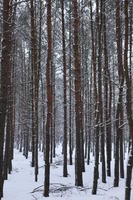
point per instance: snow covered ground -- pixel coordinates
(21, 185)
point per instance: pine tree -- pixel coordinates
(49, 102)
(78, 104)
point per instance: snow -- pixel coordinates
(21, 185)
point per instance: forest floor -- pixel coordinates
(21, 185)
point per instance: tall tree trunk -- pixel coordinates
(78, 103)
(36, 79)
(106, 80)
(65, 100)
(128, 106)
(121, 82)
(70, 88)
(97, 107)
(49, 102)
(33, 78)
(5, 74)
(101, 128)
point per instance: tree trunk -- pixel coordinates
(65, 100)
(5, 74)
(121, 82)
(78, 103)
(49, 102)
(128, 106)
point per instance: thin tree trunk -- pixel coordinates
(128, 106)
(97, 107)
(121, 82)
(106, 71)
(78, 103)
(70, 93)
(49, 102)
(65, 100)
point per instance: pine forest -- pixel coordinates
(66, 99)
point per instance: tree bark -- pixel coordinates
(65, 99)
(78, 103)
(49, 102)
(5, 74)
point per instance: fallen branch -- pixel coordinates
(35, 190)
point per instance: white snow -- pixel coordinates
(20, 184)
